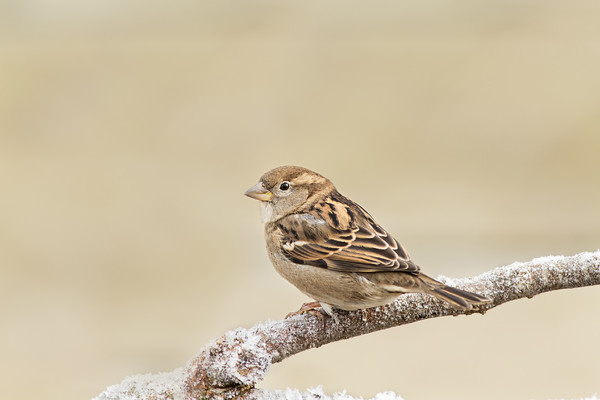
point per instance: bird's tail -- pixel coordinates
(458, 298)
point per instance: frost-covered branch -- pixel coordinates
(231, 365)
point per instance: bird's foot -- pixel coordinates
(308, 308)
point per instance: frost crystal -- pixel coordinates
(317, 393)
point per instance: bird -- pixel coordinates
(332, 249)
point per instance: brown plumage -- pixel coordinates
(333, 251)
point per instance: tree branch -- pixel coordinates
(231, 365)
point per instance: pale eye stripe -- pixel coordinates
(307, 178)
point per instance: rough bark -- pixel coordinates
(231, 365)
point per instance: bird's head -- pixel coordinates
(287, 190)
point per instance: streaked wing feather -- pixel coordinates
(363, 246)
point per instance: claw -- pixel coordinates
(308, 308)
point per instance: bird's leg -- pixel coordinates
(308, 308)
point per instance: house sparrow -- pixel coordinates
(331, 249)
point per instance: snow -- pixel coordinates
(317, 393)
(147, 386)
(239, 357)
(519, 275)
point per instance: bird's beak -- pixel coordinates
(259, 192)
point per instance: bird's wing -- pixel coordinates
(346, 239)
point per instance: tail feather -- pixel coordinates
(457, 297)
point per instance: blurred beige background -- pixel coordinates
(130, 129)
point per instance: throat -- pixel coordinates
(267, 212)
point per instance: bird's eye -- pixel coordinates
(284, 186)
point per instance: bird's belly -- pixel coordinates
(344, 290)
